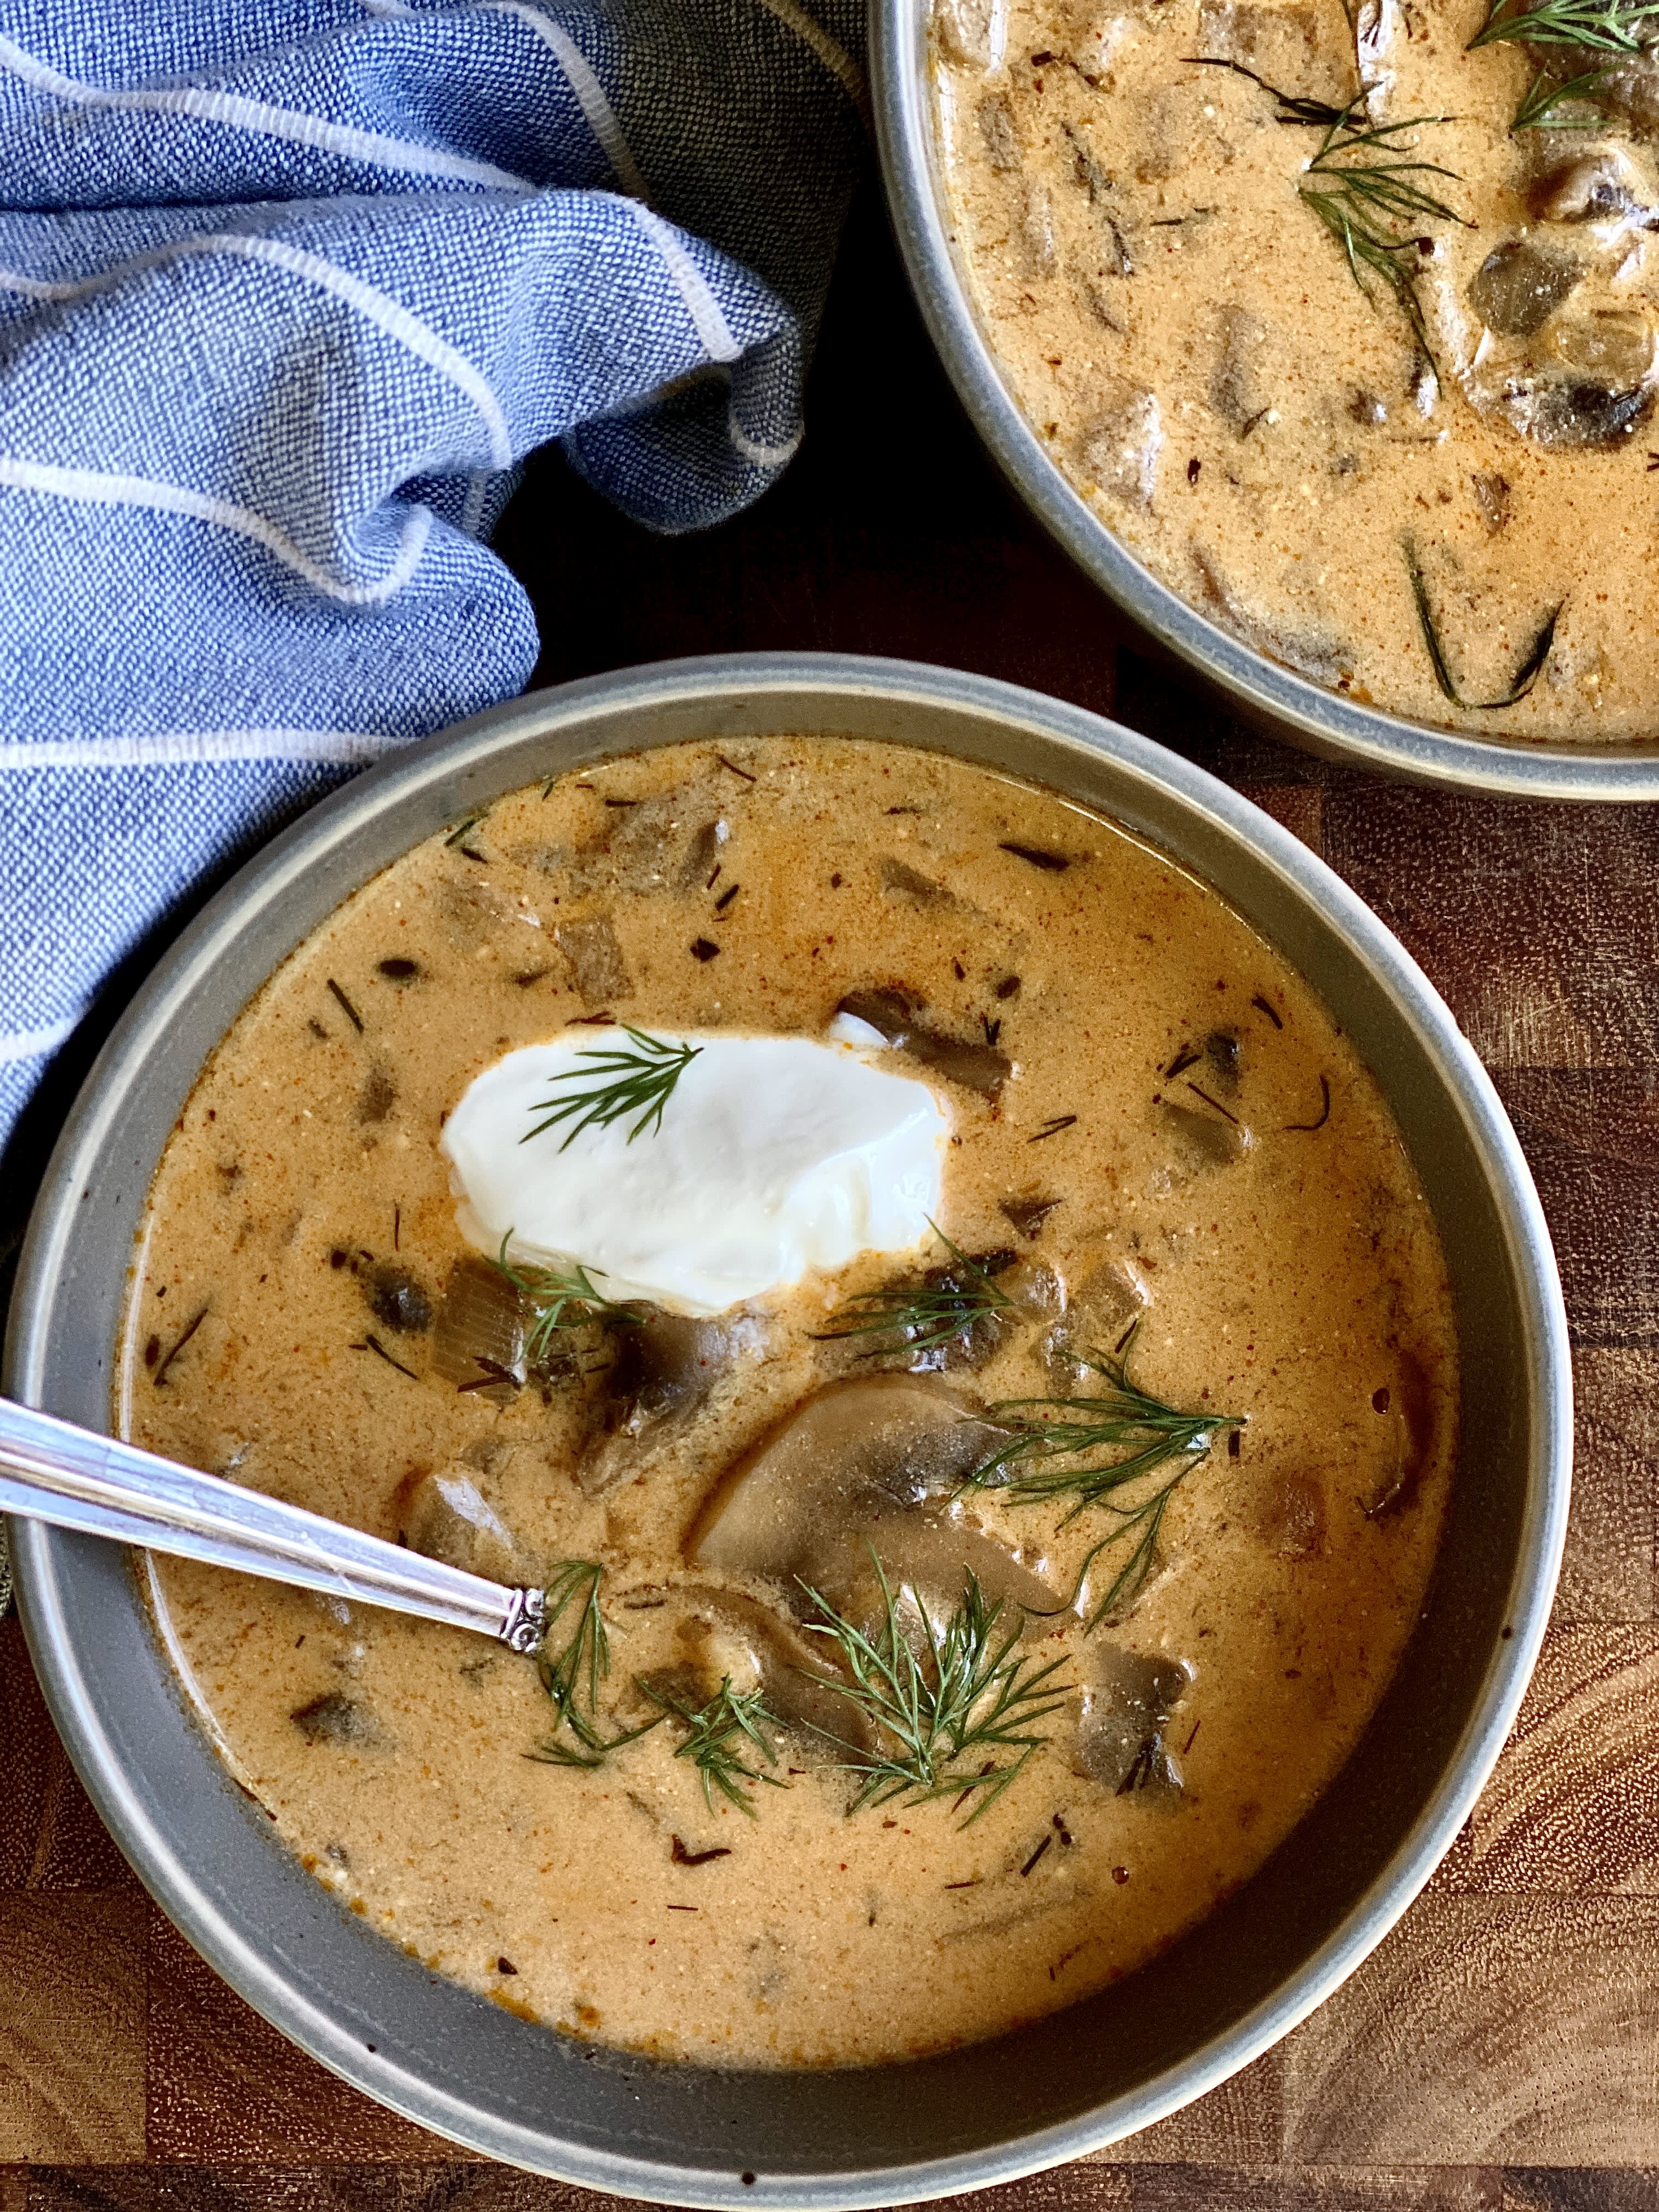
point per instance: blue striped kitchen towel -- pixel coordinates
(288, 288)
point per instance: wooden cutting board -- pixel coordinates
(1501, 2048)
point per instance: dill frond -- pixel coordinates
(559, 1302)
(1605, 27)
(1535, 110)
(966, 1692)
(1526, 676)
(1039, 1464)
(571, 1671)
(921, 1316)
(468, 822)
(637, 1081)
(1373, 205)
(718, 1734)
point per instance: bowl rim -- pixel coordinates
(1322, 720)
(718, 683)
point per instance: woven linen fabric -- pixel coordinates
(288, 288)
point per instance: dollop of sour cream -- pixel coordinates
(776, 1156)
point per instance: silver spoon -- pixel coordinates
(51, 1470)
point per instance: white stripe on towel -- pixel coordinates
(237, 113)
(763, 456)
(376, 307)
(110, 490)
(177, 748)
(708, 318)
(834, 56)
(35, 1044)
(478, 491)
(590, 94)
(753, 449)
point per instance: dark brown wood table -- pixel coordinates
(1501, 2048)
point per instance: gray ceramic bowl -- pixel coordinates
(1264, 691)
(685, 2135)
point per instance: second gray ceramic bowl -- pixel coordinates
(683, 2134)
(1264, 690)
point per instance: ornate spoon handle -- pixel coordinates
(51, 1470)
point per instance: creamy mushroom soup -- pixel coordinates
(1338, 325)
(933, 1299)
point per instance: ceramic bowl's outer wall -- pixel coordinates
(1073, 2082)
(1265, 693)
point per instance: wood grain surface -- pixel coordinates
(1500, 2050)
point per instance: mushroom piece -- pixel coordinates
(448, 1517)
(1126, 1709)
(1110, 1301)
(667, 842)
(901, 880)
(996, 129)
(972, 31)
(1628, 86)
(480, 1332)
(723, 1636)
(702, 855)
(398, 1298)
(1034, 231)
(925, 1557)
(1598, 187)
(1235, 387)
(1491, 494)
(1406, 1410)
(1576, 412)
(335, 1719)
(1118, 448)
(1223, 1049)
(1519, 286)
(1092, 177)
(852, 1471)
(665, 1368)
(895, 1016)
(1286, 43)
(1203, 1141)
(1031, 1288)
(1288, 1513)
(669, 1362)
(1612, 348)
(1028, 1213)
(597, 966)
(1308, 651)
(378, 1096)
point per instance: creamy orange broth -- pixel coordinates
(1186, 336)
(1216, 1159)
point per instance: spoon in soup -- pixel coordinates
(51, 1470)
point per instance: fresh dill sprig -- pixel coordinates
(560, 1301)
(919, 1316)
(966, 1692)
(1605, 27)
(1067, 1428)
(1363, 201)
(1374, 206)
(572, 1671)
(1526, 676)
(717, 1734)
(1038, 1464)
(1535, 112)
(639, 1081)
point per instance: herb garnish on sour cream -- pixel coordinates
(781, 1156)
